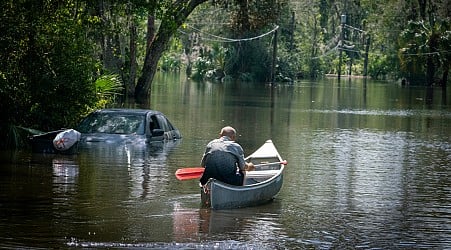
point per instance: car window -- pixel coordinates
(163, 123)
(170, 125)
(113, 124)
(153, 123)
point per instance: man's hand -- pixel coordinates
(249, 166)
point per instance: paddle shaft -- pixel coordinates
(196, 172)
(271, 163)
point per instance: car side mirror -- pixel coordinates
(157, 132)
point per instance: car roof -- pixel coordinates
(128, 111)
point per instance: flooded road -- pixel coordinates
(368, 167)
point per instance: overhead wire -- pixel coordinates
(217, 38)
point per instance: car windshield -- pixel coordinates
(112, 124)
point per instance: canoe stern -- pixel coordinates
(218, 195)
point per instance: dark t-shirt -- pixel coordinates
(223, 160)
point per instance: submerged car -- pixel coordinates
(134, 125)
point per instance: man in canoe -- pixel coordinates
(223, 159)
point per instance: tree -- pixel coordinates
(46, 64)
(172, 17)
(231, 39)
(424, 43)
(426, 47)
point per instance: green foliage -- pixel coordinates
(210, 64)
(108, 87)
(46, 67)
(171, 60)
(218, 56)
(201, 66)
(422, 44)
(250, 61)
(14, 136)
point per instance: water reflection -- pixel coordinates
(254, 225)
(143, 164)
(65, 175)
(366, 182)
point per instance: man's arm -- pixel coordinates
(249, 166)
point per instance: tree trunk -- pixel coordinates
(243, 18)
(292, 27)
(445, 75)
(172, 19)
(150, 31)
(365, 61)
(430, 65)
(274, 56)
(430, 70)
(422, 7)
(313, 52)
(130, 88)
(129, 81)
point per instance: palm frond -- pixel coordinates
(108, 86)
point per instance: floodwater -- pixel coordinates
(368, 168)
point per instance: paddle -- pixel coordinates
(196, 172)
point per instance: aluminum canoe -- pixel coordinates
(260, 186)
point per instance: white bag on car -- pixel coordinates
(66, 139)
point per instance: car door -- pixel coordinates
(154, 131)
(175, 133)
(168, 130)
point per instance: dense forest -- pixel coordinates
(62, 59)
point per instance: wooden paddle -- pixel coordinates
(196, 172)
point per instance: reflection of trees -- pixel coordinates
(143, 164)
(111, 178)
(149, 173)
(206, 224)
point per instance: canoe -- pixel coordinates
(260, 186)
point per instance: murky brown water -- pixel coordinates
(368, 167)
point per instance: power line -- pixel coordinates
(354, 28)
(327, 52)
(229, 40)
(427, 53)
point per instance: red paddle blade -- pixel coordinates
(189, 173)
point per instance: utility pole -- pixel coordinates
(340, 47)
(365, 62)
(292, 24)
(274, 56)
